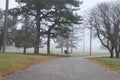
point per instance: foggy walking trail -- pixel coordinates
(71, 68)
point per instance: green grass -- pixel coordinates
(10, 63)
(113, 64)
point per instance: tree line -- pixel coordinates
(105, 20)
(40, 19)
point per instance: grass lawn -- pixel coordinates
(10, 63)
(110, 64)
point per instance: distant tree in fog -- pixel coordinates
(70, 41)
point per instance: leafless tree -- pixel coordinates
(105, 19)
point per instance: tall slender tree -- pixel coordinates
(1, 27)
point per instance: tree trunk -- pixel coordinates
(36, 44)
(24, 50)
(62, 45)
(71, 49)
(71, 45)
(37, 35)
(117, 51)
(111, 50)
(61, 49)
(117, 55)
(72, 41)
(0, 48)
(67, 45)
(48, 44)
(4, 41)
(0, 43)
(111, 54)
(1, 40)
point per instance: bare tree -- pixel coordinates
(116, 22)
(105, 20)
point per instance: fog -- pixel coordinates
(86, 6)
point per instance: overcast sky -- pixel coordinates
(87, 4)
(91, 3)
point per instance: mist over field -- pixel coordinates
(85, 7)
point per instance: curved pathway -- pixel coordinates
(73, 68)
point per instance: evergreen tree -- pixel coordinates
(56, 12)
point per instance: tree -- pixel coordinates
(62, 38)
(23, 39)
(63, 16)
(74, 37)
(105, 20)
(12, 21)
(37, 10)
(116, 22)
(60, 43)
(70, 40)
(43, 9)
(12, 25)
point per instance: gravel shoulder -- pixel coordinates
(71, 68)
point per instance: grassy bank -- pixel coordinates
(10, 63)
(108, 63)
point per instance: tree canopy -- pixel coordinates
(51, 14)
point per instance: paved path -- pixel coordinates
(73, 68)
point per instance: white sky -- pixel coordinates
(11, 4)
(87, 4)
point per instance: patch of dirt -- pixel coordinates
(104, 66)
